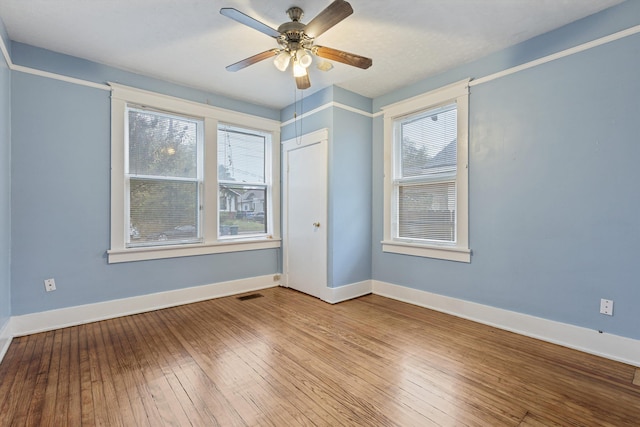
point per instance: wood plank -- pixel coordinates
(290, 359)
(14, 370)
(84, 374)
(165, 392)
(174, 360)
(73, 404)
(105, 403)
(32, 414)
(117, 371)
(534, 420)
(57, 384)
(142, 373)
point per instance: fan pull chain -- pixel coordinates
(298, 135)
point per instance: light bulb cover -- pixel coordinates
(298, 70)
(281, 61)
(305, 58)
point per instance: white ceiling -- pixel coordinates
(190, 43)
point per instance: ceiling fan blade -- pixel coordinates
(242, 18)
(334, 13)
(253, 59)
(342, 56)
(303, 82)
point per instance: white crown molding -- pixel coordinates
(5, 53)
(61, 318)
(582, 47)
(55, 76)
(564, 53)
(331, 104)
(609, 346)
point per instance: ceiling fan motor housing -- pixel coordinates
(295, 13)
(292, 35)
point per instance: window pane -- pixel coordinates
(428, 143)
(427, 211)
(162, 144)
(241, 155)
(242, 209)
(163, 211)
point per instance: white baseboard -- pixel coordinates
(5, 338)
(347, 292)
(61, 318)
(610, 346)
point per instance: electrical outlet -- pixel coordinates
(606, 307)
(50, 285)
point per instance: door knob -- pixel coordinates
(316, 224)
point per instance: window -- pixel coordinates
(426, 178)
(189, 179)
(164, 178)
(242, 187)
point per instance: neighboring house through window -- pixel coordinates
(426, 175)
(181, 174)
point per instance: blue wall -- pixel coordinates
(553, 182)
(5, 187)
(60, 207)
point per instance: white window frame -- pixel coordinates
(457, 93)
(211, 244)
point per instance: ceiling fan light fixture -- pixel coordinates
(324, 66)
(298, 69)
(282, 60)
(305, 58)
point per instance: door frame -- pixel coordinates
(320, 136)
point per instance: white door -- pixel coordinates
(305, 214)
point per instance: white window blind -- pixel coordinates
(425, 175)
(164, 175)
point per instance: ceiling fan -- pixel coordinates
(296, 41)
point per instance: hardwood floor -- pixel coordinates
(287, 359)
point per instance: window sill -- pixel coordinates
(175, 251)
(439, 252)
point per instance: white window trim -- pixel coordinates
(211, 244)
(459, 93)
